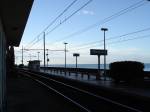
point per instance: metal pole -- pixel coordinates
(76, 62)
(65, 56)
(98, 62)
(22, 55)
(104, 29)
(99, 68)
(44, 49)
(47, 60)
(104, 58)
(65, 53)
(47, 57)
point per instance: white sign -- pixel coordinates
(98, 52)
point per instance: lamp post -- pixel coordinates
(76, 55)
(65, 56)
(44, 48)
(65, 52)
(38, 55)
(104, 29)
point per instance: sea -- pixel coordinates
(94, 66)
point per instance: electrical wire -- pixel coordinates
(115, 42)
(115, 37)
(130, 8)
(51, 23)
(66, 19)
(129, 39)
(66, 9)
(89, 45)
(69, 16)
(123, 11)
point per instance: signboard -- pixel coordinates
(98, 52)
(76, 54)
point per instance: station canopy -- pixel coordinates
(14, 15)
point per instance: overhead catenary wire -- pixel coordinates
(115, 37)
(33, 41)
(129, 39)
(130, 8)
(63, 21)
(66, 19)
(115, 42)
(52, 22)
(92, 44)
(65, 10)
(111, 43)
(121, 12)
(139, 4)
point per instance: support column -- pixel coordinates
(2, 70)
(99, 69)
(44, 49)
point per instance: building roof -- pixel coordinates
(14, 15)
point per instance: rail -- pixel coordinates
(91, 98)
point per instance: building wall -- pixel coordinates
(2, 68)
(34, 65)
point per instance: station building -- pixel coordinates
(34, 65)
(13, 18)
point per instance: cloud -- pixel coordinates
(87, 12)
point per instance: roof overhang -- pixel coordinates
(14, 15)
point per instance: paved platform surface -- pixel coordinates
(25, 95)
(141, 90)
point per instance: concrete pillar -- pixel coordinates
(2, 69)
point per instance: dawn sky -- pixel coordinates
(127, 38)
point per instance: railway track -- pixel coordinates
(85, 100)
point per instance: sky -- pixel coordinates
(81, 37)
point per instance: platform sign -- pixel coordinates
(98, 52)
(76, 54)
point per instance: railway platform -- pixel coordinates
(25, 95)
(138, 90)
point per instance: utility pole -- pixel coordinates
(22, 56)
(47, 57)
(65, 56)
(104, 29)
(99, 65)
(44, 49)
(65, 53)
